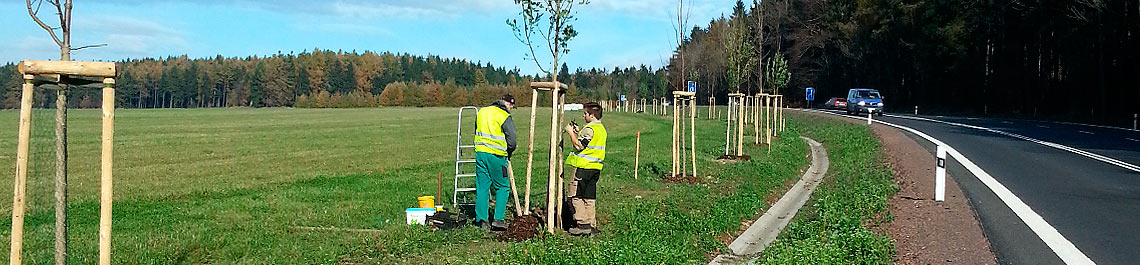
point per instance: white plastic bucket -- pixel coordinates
(419, 215)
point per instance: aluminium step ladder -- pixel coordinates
(461, 175)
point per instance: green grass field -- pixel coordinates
(229, 186)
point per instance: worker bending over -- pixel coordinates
(586, 167)
(494, 144)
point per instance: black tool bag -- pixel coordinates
(444, 220)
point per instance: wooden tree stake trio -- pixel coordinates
(73, 73)
(684, 99)
(734, 132)
(554, 182)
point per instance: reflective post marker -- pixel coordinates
(940, 176)
(869, 116)
(1133, 121)
(915, 109)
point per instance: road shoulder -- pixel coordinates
(925, 231)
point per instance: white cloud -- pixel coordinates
(663, 10)
(127, 37)
(360, 10)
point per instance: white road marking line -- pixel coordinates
(1007, 122)
(1043, 126)
(1064, 249)
(1088, 154)
(1086, 132)
(1130, 139)
(1093, 125)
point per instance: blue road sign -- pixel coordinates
(692, 86)
(810, 93)
(622, 97)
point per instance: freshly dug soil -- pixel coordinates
(733, 158)
(683, 178)
(520, 229)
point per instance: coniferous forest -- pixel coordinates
(1071, 60)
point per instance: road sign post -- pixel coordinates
(940, 175)
(810, 96)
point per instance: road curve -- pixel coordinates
(1095, 205)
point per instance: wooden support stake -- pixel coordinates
(693, 132)
(675, 168)
(20, 182)
(105, 187)
(637, 155)
(551, 181)
(681, 132)
(92, 69)
(740, 128)
(439, 188)
(530, 147)
(561, 160)
(756, 118)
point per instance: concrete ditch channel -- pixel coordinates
(748, 245)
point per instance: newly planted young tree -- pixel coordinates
(63, 40)
(777, 73)
(546, 24)
(740, 54)
(550, 20)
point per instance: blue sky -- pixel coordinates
(612, 32)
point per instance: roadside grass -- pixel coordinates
(841, 226)
(243, 186)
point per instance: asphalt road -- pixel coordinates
(1093, 204)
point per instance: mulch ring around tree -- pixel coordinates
(733, 158)
(520, 229)
(682, 179)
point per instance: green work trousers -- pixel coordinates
(490, 172)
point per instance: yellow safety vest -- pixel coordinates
(595, 152)
(489, 137)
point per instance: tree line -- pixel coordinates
(326, 78)
(1073, 60)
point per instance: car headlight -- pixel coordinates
(861, 103)
(880, 104)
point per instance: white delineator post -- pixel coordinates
(1133, 121)
(940, 175)
(869, 112)
(915, 109)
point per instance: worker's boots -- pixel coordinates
(482, 225)
(499, 225)
(583, 230)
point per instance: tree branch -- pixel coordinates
(42, 25)
(89, 46)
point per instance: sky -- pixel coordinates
(612, 33)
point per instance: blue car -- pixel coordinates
(864, 100)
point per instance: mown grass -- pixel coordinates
(842, 224)
(232, 186)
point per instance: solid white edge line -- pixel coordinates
(1061, 246)
(1094, 125)
(1088, 154)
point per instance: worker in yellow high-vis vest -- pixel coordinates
(494, 143)
(585, 167)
